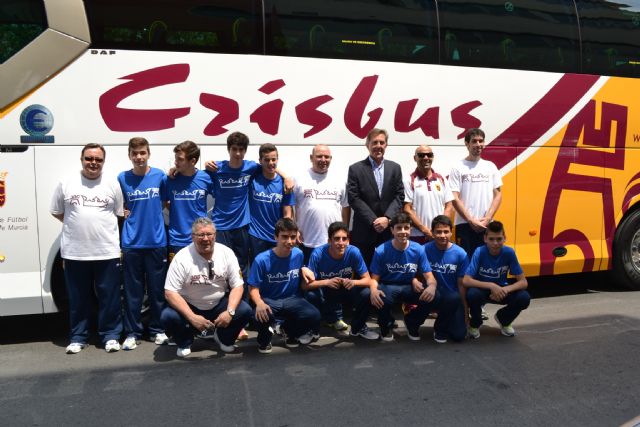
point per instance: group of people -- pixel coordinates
(278, 251)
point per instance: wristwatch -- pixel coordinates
(231, 312)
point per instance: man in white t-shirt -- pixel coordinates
(88, 204)
(204, 292)
(321, 199)
(475, 184)
(426, 195)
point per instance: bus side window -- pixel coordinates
(20, 23)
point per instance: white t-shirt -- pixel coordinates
(90, 226)
(427, 197)
(188, 275)
(319, 202)
(475, 181)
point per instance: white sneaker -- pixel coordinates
(506, 330)
(75, 347)
(223, 347)
(305, 339)
(112, 346)
(161, 339)
(130, 343)
(183, 352)
(366, 333)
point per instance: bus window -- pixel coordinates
(366, 29)
(228, 26)
(610, 37)
(521, 34)
(21, 21)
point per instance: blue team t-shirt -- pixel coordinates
(488, 268)
(277, 277)
(447, 266)
(399, 267)
(231, 190)
(324, 266)
(266, 199)
(188, 201)
(143, 197)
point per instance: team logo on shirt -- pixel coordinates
(402, 268)
(243, 181)
(283, 277)
(493, 273)
(310, 193)
(267, 198)
(147, 194)
(188, 195)
(199, 280)
(471, 177)
(80, 200)
(345, 272)
(444, 268)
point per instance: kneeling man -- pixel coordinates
(204, 292)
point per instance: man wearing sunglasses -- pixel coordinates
(426, 195)
(204, 292)
(88, 204)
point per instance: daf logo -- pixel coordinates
(37, 121)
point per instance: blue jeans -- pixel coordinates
(143, 266)
(83, 278)
(329, 301)
(447, 305)
(238, 240)
(513, 303)
(183, 332)
(297, 315)
(468, 239)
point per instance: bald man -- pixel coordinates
(426, 195)
(321, 199)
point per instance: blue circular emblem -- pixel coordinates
(36, 120)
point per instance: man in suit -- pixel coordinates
(376, 194)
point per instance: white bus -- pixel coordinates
(554, 84)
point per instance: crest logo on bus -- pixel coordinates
(37, 121)
(3, 180)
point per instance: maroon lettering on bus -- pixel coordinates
(461, 117)
(267, 116)
(136, 120)
(427, 122)
(228, 112)
(308, 114)
(356, 106)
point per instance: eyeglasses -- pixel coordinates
(422, 155)
(93, 159)
(203, 235)
(210, 269)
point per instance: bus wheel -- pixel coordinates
(58, 285)
(626, 252)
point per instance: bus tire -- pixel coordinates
(59, 286)
(626, 252)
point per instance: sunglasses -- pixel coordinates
(422, 155)
(93, 159)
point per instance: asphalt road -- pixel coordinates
(574, 363)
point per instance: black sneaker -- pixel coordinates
(265, 349)
(291, 342)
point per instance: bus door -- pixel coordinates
(20, 287)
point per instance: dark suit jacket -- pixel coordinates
(367, 205)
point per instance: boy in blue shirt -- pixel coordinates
(397, 266)
(486, 281)
(268, 202)
(274, 287)
(187, 195)
(144, 244)
(448, 263)
(340, 275)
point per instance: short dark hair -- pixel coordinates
(285, 224)
(441, 220)
(334, 227)
(473, 132)
(266, 149)
(189, 148)
(237, 138)
(138, 142)
(91, 146)
(495, 227)
(400, 218)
